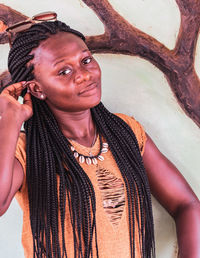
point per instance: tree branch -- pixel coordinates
(188, 34)
(5, 78)
(121, 37)
(187, 7)
(9, 16)
(177, 65)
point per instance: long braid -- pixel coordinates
(123, 144)
(49, 154)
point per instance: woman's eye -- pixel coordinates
(65, 71)
(87, 60)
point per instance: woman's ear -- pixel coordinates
(34, 88)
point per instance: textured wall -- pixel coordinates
(134, 86)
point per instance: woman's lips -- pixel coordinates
(89, 90)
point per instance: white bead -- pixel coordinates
(94, 161)
(101, 158)
(72, 148)
(105, 145)
(81, 159)
(42, 96)
(76, 154)
(104, 150)
(88, 161)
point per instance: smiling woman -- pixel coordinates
(81, 174)
(66, 73)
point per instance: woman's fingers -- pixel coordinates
(10, 96)
(15, 89)
(27, 99)
(27, 106)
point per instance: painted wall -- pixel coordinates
(133, 86)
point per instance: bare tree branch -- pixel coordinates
(189, 30)
(4, 78)
(9, 16)
(121, 37)
(177, 64)
(187, 7)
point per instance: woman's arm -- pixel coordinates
(173, 192)
(12, 115)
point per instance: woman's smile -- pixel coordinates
(89, 90)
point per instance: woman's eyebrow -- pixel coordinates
(62, 60)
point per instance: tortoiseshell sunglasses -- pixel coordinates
(24, 25)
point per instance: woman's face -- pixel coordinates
(66, 73)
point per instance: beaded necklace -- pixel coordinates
(91, 159)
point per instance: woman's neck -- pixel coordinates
(77, 126)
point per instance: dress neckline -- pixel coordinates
(82, 149)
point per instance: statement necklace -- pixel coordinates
(91, 159)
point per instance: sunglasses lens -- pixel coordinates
(45, 16)
(20, 27)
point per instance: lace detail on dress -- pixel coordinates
(113, 194)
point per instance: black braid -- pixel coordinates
(49, 154)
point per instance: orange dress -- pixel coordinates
(111, 201)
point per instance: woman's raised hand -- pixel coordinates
(12, 116)
(11, 107)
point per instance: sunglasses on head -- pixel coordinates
(24, 25)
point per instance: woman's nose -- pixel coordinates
(82, 75)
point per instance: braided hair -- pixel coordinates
(49, 155)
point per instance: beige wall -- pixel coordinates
(130, 85)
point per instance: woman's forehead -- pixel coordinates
(60, 37)
(62, 43)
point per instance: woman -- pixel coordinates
(78, 172)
